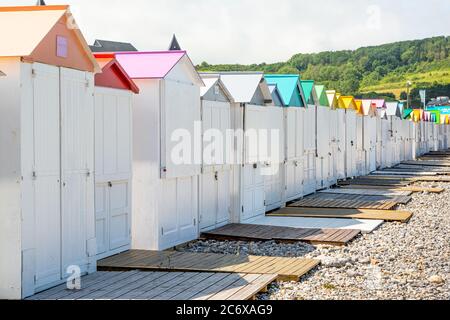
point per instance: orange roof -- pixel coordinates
(29, 26)
(33, 8)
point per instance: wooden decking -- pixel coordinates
(138, 285)
(386, 215)
(286, 269)
(369, 192)
(376, 198)
(390, 188)
(252, 232)
(431, 163)
(317, 202)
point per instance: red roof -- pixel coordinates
(113, 75)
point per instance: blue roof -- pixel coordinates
(288, 87)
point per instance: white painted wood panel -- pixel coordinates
(77, 165)
(46, 175)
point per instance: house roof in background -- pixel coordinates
(111, 46)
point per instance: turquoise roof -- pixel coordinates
(287, 85)
(307, 86)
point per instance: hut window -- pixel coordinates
(61, 47)
(216, 89)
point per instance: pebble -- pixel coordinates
(436, 279)
(398, 261)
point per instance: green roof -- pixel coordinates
(307, 86)
(407, 113)
(322, 95)
(287, 85)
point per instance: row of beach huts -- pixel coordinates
(86, 147)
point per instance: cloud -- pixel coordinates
(253, 31)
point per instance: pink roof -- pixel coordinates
(380, 103)
(149, 65)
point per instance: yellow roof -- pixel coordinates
(347, 102)
(359, 106)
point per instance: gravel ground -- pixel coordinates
(397, 261)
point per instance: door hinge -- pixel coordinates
(110, 184)
(34, 175)
(33, 72)
(162, 231)
(242, 208)
(216, 176)
(195, 222)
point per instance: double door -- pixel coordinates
(63, 183)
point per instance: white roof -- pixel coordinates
(392, 109)
(209, 83)
(211, 80)
(381, 113)
(242, 85)
(22, 31)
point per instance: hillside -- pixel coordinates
(383, 69)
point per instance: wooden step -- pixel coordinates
(386, 215)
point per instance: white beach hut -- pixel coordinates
(216, 176)
(369, 111)
(251, 111)
(47, 221)
(294, 110)
(114, 92)
(166, 148)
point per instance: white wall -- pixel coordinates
(10, 180)
(146, 162)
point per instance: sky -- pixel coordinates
(255, 31)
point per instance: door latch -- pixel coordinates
(110, 184)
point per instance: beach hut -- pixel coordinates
(253, 112)
(114, 92)
(309, 138)
(337, 135)
(332, 99)
(393, 114)
(347, 103)
(47, 220)
(166, 142)
(369, 111)
(360, 139)
(294, 113)
(325, 171)
(216, 175)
